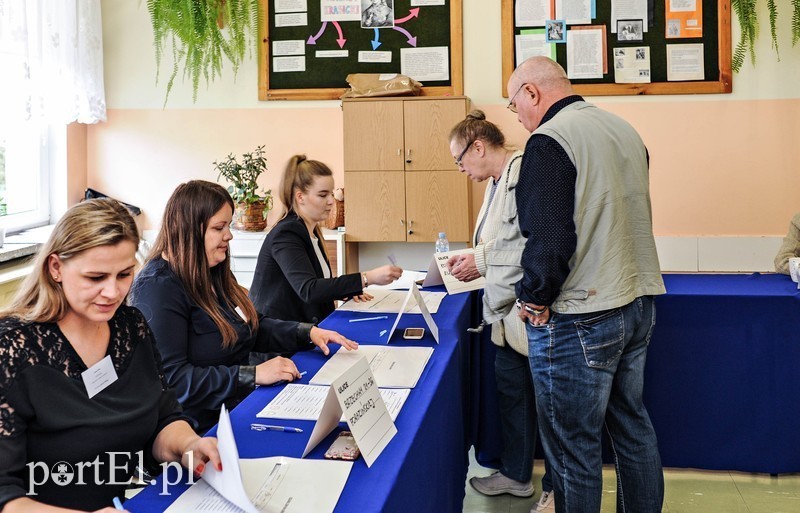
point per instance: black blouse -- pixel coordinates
(52, 433)
(203, 372)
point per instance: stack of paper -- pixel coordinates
(391, 301)
(304, 402)
(394, 367)
(263, 485)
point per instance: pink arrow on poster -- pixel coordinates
(341, 39)
(413, 13)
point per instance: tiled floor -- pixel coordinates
(686, 491)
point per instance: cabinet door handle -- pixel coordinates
(410, 222)
(408, 156)
(399, 152)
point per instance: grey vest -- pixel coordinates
(615, 260)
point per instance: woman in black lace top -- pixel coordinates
(83, 398)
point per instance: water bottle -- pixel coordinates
(442, 244)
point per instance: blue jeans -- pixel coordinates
(517, 404)
(588, 372)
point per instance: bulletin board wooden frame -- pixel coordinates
(265, 92)
(723, 83)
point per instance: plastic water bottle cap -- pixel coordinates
(441, 235)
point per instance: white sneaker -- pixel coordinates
(546, 504)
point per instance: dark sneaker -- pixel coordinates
(498, 484)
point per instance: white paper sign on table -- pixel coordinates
(355, 393)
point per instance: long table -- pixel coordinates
(423, 468)
(722, 379)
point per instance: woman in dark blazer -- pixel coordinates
(293, 275)
(215, 347)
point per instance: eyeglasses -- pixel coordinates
(463, 152)
(511, 105)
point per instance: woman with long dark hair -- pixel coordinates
(212, 340)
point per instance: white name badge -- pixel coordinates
(99, 376)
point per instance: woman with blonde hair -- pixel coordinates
(293, 275)
(479, 149)
(213, 342)
(83, 398)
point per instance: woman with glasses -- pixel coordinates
(480, 151)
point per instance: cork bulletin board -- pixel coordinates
(303, 57)
(715, 40)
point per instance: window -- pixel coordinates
(24, 175)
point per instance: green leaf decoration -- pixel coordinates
(745, 11)
(203, 34)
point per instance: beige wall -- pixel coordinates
(721, 164)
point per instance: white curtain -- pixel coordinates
(51, 61)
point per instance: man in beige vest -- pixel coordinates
(590, 272)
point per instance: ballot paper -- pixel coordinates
(263, 485)
(391, 301)
(438, 273)
(304, 402)
(404, 282)
(355, 393)
(393, 366)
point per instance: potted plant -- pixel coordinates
(201, 33)
(251, 207)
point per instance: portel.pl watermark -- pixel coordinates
(99, 472)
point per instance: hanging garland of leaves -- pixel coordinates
(745, 11)
(201, 34)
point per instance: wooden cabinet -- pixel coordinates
(401, 181)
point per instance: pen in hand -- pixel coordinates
(283, 381)
(270, 427)
(118, 504)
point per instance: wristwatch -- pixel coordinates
(531, 310)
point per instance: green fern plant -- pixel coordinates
(747, 16)
(201, 33)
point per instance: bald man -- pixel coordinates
(590, 272)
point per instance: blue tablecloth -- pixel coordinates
(424, 467)
(722, 381)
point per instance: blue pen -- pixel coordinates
(265, 427)
(118, 503)
(369, 318)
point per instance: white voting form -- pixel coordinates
(304, 402)
(263, 485)
(393, 366)
(391, 301)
